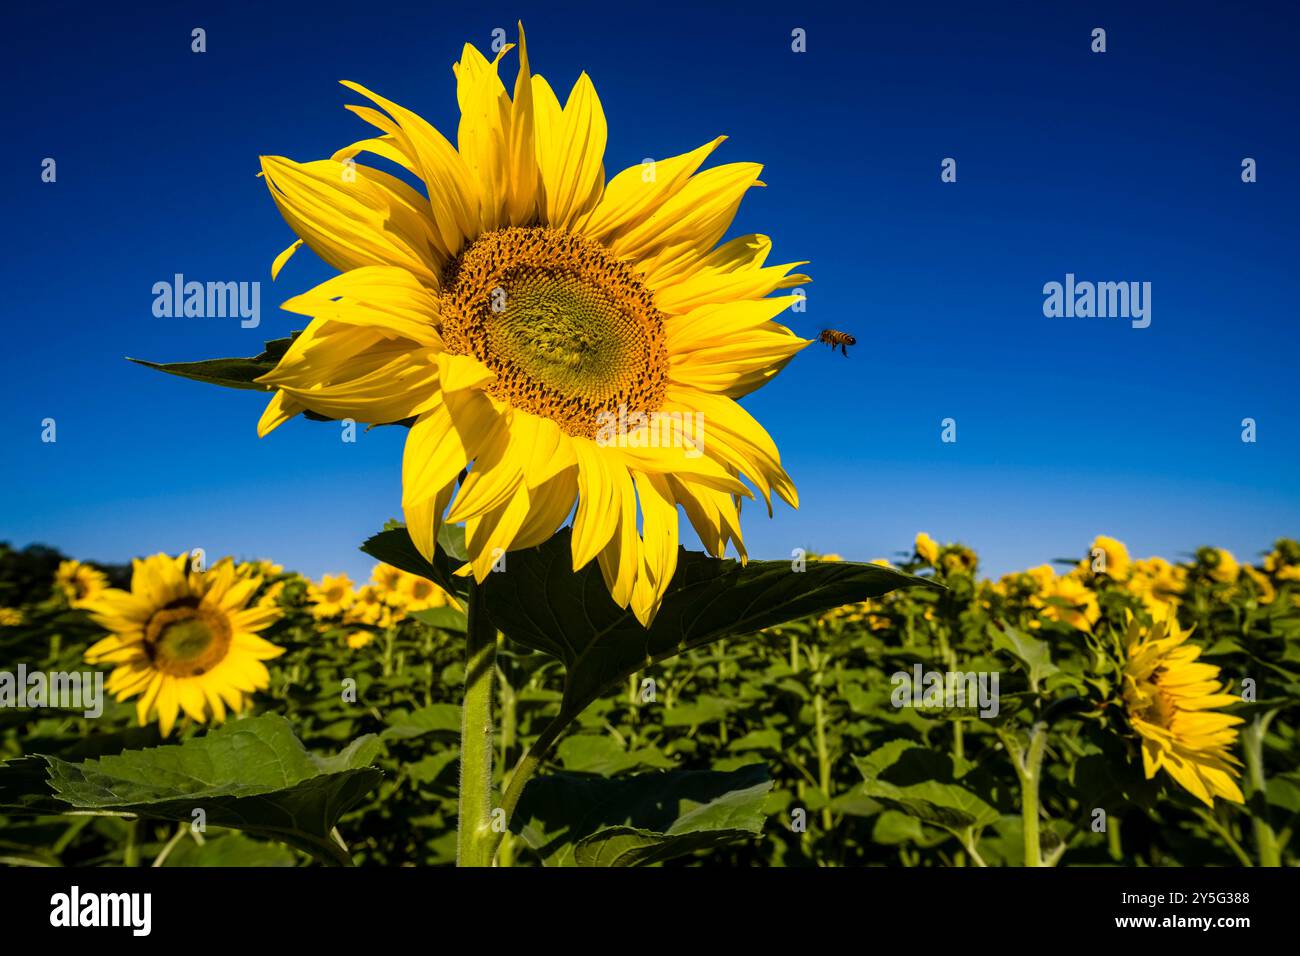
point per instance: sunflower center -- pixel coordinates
(570, 331)
(187, 641)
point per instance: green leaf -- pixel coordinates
(433, 719)
(228, 372)
(1030, 651)
(252, 775)
(443, 618)
(599, 754)
(539, 601)
(634, 821)
(909, 778)
(228, 849)
(394, 546)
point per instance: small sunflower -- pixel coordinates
(1219, 564)
(386, 577)
(11, 616)
(331, 597)
(183, 640)
(80, 583)
(420, 594)
(373, 607)
(927, 549)
(1108, 556)
(1157, 583)
(564, 338)
(1171, 696)
(1068, 600)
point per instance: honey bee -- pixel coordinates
(837, 340)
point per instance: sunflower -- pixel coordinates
(331, 597)
(11, 616)
(420, 594)
(1157, 583)
(1219, 564)
(927, 549)
(183, 640)
(80, 583)
(1068, 600)
(1114, 561)
(564, 338)
(1171, 697)
(386, 577)
(373, 607)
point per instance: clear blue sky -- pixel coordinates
(1118, 166)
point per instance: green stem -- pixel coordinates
(1213, 823)
(823, 755)
(1266, 841)
(170, 845)
(1030, 771)
(131, 855)
(527, 766)
(475, 840)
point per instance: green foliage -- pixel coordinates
(777, 747)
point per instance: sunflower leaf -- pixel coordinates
(228, 372)
(578, 820)
(539, 601)
(906, 777)
(252, 775)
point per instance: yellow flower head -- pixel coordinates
(1157, 583)
(1043, 576)
(1284, 559)
(1069, 600)
(386, 577)
(183, 640)
(927, 549)
(359, 639)
(1171, 698)
(80, 583)
(1264, 590)
(1219, 564)
(262, 569)
(574, 340)
(331, 597)
(958, 559)
(370, 606)
(1107, 556)
(420, 594)
(10, 616)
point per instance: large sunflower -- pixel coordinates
(184, 640)
(1171, 698)
(563, 338)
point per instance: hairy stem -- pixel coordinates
(475, 841)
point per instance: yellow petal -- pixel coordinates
(354, 216)
(570, 151)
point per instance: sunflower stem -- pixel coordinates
(131, 853)
(1030, 772)
(475, 841)
(524, 771)
(1266, 842)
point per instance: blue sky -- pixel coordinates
(1122, 166)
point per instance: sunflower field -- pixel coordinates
(1144, 716)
